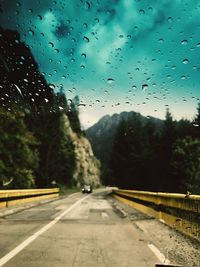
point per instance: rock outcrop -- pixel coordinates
(87, 169)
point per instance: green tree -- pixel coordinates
(196, 122)
(186, 165)
(126, 164)
(167, 138)
(73, 115)
(18, 153)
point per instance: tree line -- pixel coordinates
(147, 157)
(35, 146)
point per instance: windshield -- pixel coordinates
(101, 99)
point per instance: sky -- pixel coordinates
(117, 55)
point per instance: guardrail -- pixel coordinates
(20, 196)
(179, 211)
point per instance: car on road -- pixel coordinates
(87, 188)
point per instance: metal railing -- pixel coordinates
(179, 211)
(20, 196)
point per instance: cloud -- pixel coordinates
(80, 44)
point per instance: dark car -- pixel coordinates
(87, 189)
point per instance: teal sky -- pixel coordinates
(116, 55)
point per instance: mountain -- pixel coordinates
(102, 134)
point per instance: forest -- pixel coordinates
(35, 147)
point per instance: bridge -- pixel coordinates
(109, 227)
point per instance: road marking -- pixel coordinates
(158, 254)
(30, 239)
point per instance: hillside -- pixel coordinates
(40, 136)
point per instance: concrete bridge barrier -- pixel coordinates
(20, 196)
(179, 211)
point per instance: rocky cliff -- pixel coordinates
(87, 170)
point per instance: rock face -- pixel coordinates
(87, 169)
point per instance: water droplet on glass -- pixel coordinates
(86, 39)
(185, 61)
(183, 77)
(31, 32)
(51, 44)
(83, 55)
(30, 10)
(110, 80)
(144, 87)
(198, 45)
(141, 11)
(87, 5)
(170, 19)
(52, 86)
(39, 17)
(161, 40)
(184, 42)
(85, 25)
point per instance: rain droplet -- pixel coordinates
(87, 5)
(198, 45)
(31, 32)
(83, 55)
(183, 77)
(144, 87)
(110, 80)
(170, 19)
(30, 10)
(185, 61)
(52, 86)
(141, 11)
(184, 42)
(39, 17)
(85, 25)
(161, 40)
(51, 44)
(86, 39)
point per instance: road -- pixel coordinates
(79, 230)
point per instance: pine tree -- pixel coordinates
(73, 115)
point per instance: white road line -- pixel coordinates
(30, 239)
(158, 254)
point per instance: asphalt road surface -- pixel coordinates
(79, 230)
